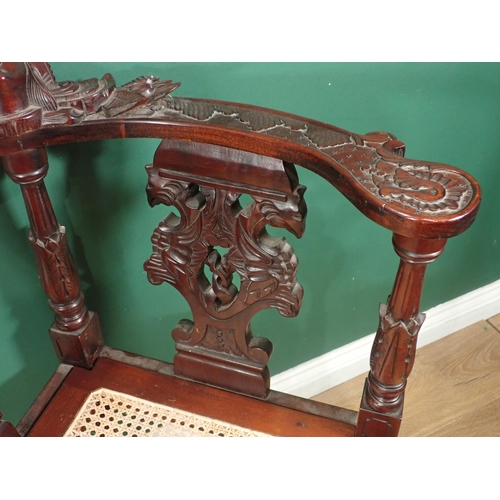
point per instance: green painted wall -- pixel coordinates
(444, 112)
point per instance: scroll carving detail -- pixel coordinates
(416, 186)
(71, 102)
(373, 160)
(186, 251)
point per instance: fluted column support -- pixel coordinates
(394, 347)
(76, 333)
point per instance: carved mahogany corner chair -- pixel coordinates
(211, 152)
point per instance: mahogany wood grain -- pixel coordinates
(166, 389)
(409, 197)
(7, 429)
(281, 399)
(211, 153)
(453, 388)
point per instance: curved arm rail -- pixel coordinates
(412, 198)
(422, 203)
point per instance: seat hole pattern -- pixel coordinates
(108, 413)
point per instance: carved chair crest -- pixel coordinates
(217, 251)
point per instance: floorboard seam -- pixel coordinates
(492, 325)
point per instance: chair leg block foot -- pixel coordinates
(373, 423)
(80, 347)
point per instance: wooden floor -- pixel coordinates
(454, 388)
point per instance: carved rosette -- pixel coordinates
(187, 253)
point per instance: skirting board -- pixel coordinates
(324, 372)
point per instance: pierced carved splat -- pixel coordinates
(217, 252)
(186, 253)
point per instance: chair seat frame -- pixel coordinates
(211, 153)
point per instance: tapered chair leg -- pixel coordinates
(394, 347)
(76, 333)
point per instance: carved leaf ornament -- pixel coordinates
(215, 239)
(183, 247)
(425, 190)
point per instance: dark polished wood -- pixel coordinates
(42, 400)
(212, 153)
(218, 347)
(159, 385)
(7, 429)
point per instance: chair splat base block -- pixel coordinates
(217, 235)
(229, 171)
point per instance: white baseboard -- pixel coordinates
(342, 364)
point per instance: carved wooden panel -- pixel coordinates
(217, 251)
(187, 251)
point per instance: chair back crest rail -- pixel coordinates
(211, 153)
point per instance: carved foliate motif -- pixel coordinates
(70, 102)
(186, 254)
(373, 160)
(393, 353)
(60, 280)
(392, 358)
(56, 268)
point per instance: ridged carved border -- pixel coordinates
(420, 188)
(371, 162)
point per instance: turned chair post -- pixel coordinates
(212, 154)
(75, 333)
(394, 347)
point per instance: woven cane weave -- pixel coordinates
(107, 413)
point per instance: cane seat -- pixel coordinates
(217, 253)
